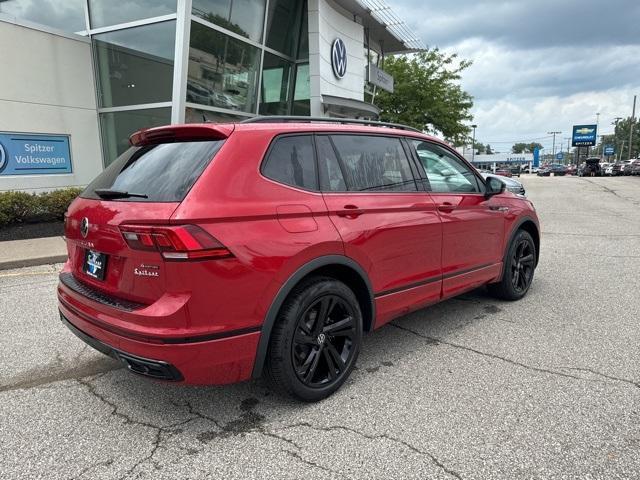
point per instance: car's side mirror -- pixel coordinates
(494, 187)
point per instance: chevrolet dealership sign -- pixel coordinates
(584, 135)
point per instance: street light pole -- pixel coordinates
(473, 144)
(633, 121)
(553, 153)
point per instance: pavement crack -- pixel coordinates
(301, 459)
(604, 375)
(380, 436)
(486, 354)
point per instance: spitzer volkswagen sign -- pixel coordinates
(339, 58)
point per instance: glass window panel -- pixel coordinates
(331, 177)
(135, 65)
(197, 115)
(445, 172)
(291, 161)
(276, 78)
(302, 91)
(67, 16)
(283, 25)
(223, 71)
(113, 12)
(244, 17)
(374, 163)
(117, 127)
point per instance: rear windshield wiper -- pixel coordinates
(108, 193)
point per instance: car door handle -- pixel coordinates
(350, 211)
(446, 207)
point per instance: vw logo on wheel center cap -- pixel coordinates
(321, 338)
(84, 227)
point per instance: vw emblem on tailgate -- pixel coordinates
(339, 58)
(84, 227)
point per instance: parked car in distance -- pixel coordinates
(511, 184)
(544, 171)
(590, 168)
(504, 172)
(531, 169)
(635, 167)
(628, 167)
(515, 171)
(619, 167)
(213, 253)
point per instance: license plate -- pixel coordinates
(95, 264)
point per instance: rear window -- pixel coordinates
(291, 161)
(164, 173)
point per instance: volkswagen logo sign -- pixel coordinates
(3, 158)
(84, 227)
(339, 58)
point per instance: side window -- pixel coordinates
(331, 177)
(374, 163)
(446, 173)
(291, 161)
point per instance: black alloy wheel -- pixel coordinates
(522, 265)
(323, 341)
(315, 340)
(518, 270)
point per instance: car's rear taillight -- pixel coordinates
(182, 242)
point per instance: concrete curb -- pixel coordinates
(32, 262)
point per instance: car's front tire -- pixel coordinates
(519, 267)
(316, 340)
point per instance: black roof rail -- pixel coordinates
(344, 121)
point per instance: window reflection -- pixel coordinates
(67, 16)
(135, 65)
(196, 115)
(117, 127)
(110, 12)
(223, 71)
(276, 78)
(244, 17)
(283, 25)
(302, 91)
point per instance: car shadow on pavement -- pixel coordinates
(221, 411)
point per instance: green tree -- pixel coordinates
(525, 147)
(621, 138)
(488, 150)
(480, 148)
(427, 94)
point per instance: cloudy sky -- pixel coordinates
(539, 65)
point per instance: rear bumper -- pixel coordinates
(211, 362)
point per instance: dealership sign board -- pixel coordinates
(380, 78)
(34, 154)
(609, 150)
(584, 135)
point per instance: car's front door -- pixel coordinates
(472, 225)
(388, 224)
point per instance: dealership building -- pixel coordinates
(80, 76)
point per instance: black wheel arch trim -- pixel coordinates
(517, 226)
(287, 287)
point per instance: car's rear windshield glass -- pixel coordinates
(154, 173)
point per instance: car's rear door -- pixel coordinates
(473, 226)
(388, 224)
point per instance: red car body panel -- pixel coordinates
(207, 318)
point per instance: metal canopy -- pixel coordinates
(384, 26)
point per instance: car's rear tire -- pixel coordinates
(315, 341)
(518, 269)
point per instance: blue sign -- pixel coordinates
(25, 154)
(559, 156)
(609, 150)
(536, 157)
(339, 58)
(584, 135)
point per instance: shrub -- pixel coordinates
(21, 207)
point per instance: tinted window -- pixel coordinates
(373, 163)
(331, 177)
(165, 173)
(291, 161)
(108, 12)
(445, 172)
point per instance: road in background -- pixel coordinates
(474, 388)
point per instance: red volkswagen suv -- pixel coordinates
(214, 253)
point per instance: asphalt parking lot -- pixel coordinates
(474, 388)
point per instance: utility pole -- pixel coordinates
(568, 139)
(597, 130)
(473, 146)
(553, 153)
(633, 121)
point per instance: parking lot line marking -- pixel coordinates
(27, 274)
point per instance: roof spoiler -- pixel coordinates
(181, 133)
